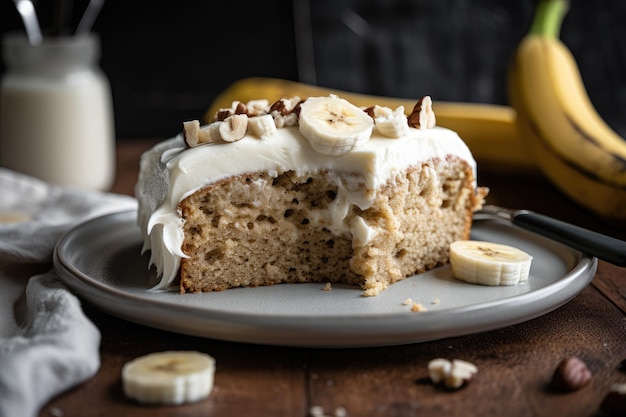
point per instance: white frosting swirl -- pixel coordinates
(169, 172)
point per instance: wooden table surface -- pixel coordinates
(515, 364)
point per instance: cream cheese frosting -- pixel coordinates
(171, 171)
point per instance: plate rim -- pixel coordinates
(325, 328)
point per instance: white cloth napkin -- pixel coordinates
(47, 344)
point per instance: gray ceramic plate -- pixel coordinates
(100, 260)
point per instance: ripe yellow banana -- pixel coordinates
(490, 131)
(572, 144)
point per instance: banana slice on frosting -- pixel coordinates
(171, 377)
(489, 263)
(333, 126)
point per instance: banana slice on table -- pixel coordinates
(171, 377)
(489, 263)
(333, 126)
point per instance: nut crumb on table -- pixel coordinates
(318, 411)
(572, 374)
(451, 374)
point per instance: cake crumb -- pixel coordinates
(418, 307)
(436, 301)
(327, 287)
(408, 302)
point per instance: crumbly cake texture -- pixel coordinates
(254, 230)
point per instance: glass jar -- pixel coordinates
(56, 114)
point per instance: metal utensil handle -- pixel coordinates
(26, 10)
(89, 17)
(589, 242)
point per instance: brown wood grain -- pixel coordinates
(515, 363)
(611, 281)
(515, 366)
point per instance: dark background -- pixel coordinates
(167, 60)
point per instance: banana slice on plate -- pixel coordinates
(489, 263)
(171, 377)
(333, 126)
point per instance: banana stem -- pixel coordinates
(549, 17)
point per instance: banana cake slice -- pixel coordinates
(314, 190)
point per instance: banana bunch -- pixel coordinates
(489, 130)
(551, 126)
(572, 144)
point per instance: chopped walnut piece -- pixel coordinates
(240, 108)
(391, 123)
(438, 369)
(286, 111)
(279, 107)
(209, 133)
(461, 373)
(572, 374)
(262, 126)
(190, 132)
(222, 114)
(233, 128)
(258, 107)
(452, 374)
(383, 111)
(195, 135)
(290, 119)
(236, 107)
(423, 116)
(286, 106)
(370, 111)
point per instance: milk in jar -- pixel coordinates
(56, 115)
